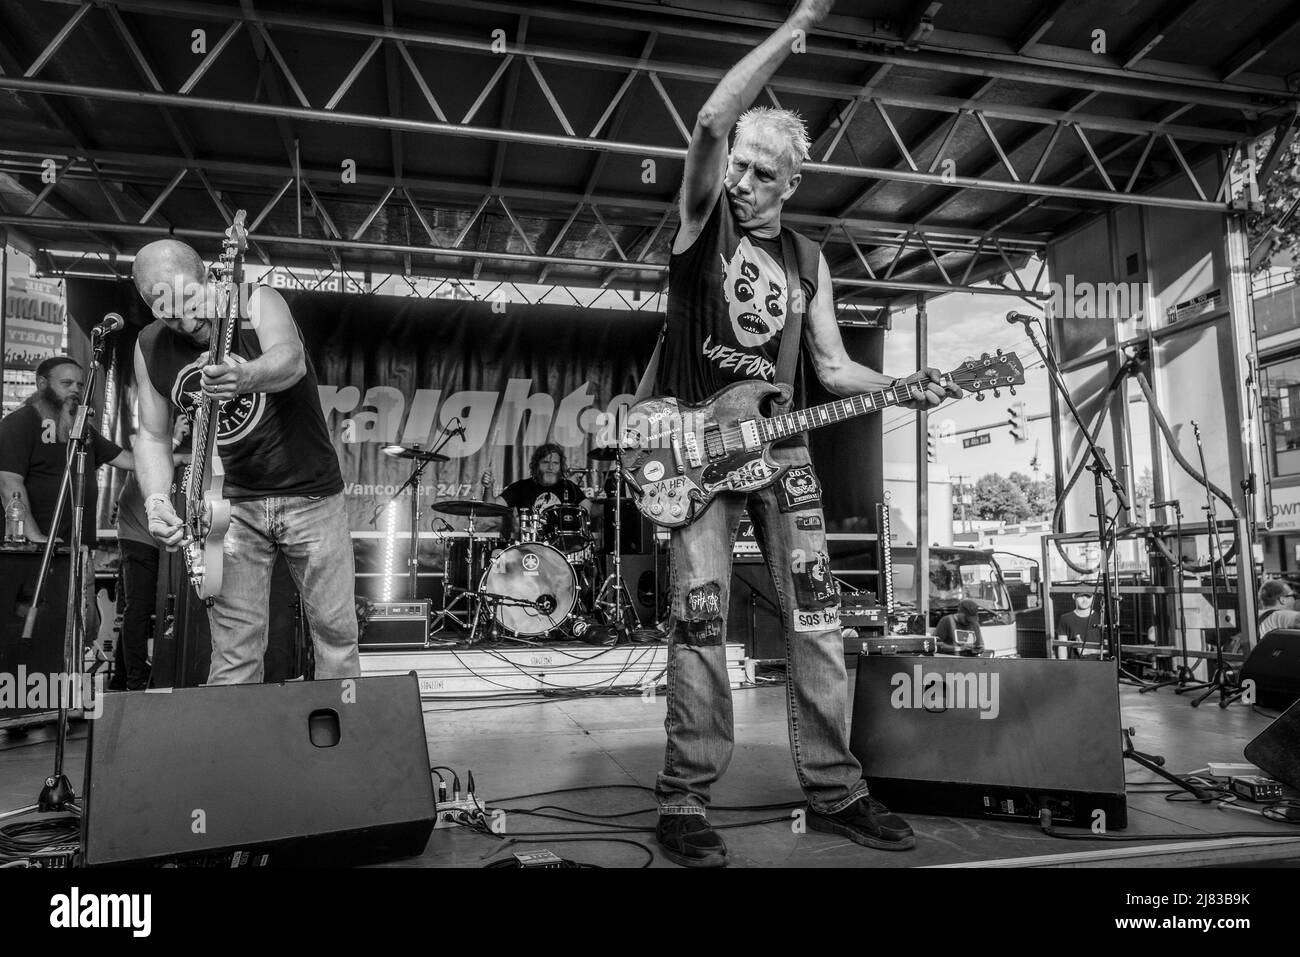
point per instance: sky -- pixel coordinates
(964, 325)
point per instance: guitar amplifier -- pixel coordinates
(860, 610)
(396, 624)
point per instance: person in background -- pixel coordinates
(959, 633)
(140, 563)
(1277, 607)
(1082, 624)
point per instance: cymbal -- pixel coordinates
(471, 507)
(413, 452)
(603, 455)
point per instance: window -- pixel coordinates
(1280, 412)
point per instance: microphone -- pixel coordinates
(1013, 317)
(111, 324)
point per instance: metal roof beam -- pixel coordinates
(484, 193)
(584, 143)
(1049, 72)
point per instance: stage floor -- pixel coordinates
(533, 743)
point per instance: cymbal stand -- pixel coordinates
(613, 607)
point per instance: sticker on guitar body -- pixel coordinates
(807, 620)
(753, 473)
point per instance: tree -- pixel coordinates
(1000, 499)
(1278, 195)
(1040, 494)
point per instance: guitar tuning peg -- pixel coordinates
(979, 396)
(999, 352)
(997, 393)
(1012, 390)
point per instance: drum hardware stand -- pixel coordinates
(1224, 680)
(614, 608)
(57, 793)
(465, 595)
(1184, 678)
(488, 599)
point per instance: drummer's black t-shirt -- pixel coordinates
(530, 493)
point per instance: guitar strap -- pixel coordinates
(787, 357)
(651, 375)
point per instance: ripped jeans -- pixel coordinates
(790, 529)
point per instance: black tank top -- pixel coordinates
(271, 443)
(727, 306)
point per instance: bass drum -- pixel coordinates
(531, 572)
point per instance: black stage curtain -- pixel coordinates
(396, 370)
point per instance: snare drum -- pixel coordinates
(565, 527)
(536, 574)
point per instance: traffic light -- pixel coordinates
(931, 446)
(1018, 423)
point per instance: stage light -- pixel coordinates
(390, 538)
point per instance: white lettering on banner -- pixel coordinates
(935, 691)
(1286, 509)
(489, 417)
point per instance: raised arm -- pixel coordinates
(706, 157)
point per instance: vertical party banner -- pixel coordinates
(34, 327)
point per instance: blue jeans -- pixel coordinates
(312, 532)
(791, 531)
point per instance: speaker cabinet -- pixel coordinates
(307, 772)
(1274, 666)
(991, 737)
(648, 583)
(753, 617)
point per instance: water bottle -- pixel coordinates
(16, 521)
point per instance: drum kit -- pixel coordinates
(539, 581)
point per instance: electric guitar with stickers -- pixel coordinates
(677, 457)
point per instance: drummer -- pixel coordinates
(546, 484)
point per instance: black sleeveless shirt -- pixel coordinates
(271, 443)
(727, 306)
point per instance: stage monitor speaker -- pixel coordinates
(1274, 666)
(991, 737)
(307, 772)
(1276, 749)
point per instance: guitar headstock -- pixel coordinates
(234, 246)
(1003, 370)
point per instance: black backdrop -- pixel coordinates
(396, 369)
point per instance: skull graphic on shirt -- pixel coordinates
(754, 286)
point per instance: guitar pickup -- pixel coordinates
(692, 449)
(749, 434)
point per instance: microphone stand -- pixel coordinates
(1101, 472)
(1224, 678)
(57, 793)
(413, 483)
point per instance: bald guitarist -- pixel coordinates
(282, 475)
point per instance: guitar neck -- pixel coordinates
(828, 413)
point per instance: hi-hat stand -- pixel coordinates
(614, 599)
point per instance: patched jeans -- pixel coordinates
(312, 532)
(790, 529)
